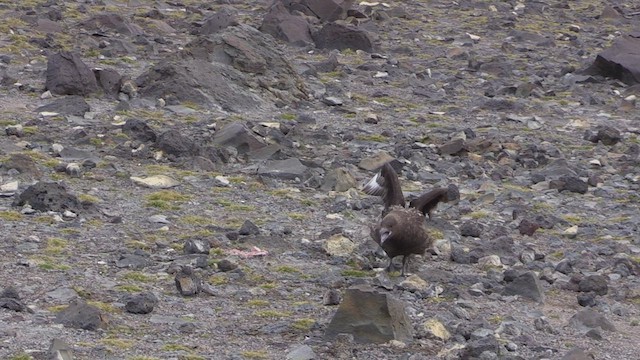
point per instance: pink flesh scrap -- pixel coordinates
(255, 251)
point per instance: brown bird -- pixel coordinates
(402, 231)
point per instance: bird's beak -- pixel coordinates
(384, 235)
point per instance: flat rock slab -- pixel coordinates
(68, 105)
(156, 181)
(371, 317)
(620, 61)
(81, 315)
(288, 169)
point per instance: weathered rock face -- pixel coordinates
(620, 61)
(282, 25)
(111, 23)
(216, 22)
(217, 70)
(47, 196)
(371, 317)
(68, 75)
(337, 36)
(69, 105)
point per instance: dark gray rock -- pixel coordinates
(337, 36)
(48, 196)
(475, 348)
(451, 147)
(371, 317)
(573, 184)
(588, 319)
(134, 261)
(142, 303)
(172, 142)
(609, 135)
(564, 267)
(196, 246)
(81, 315)
(288, 169)
(280, 24)
(187, 283)
(249, 228)
(109, 22)
(68, 75)
(595, 283)
(109, 81)
(225, 265)
(471, 228)
(22, 163)
(528, 226)
(139, 130)
(68, 105)
(215, 22)
(526, 285)
(587, 299)
(577, 354)
(238, 136)
(620, 61)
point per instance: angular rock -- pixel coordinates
(109, 81)
(81, 315)
(339, 179)
(68, 105)
(68, 75)
(225, 265)
(573, 184)
(325, 10)
(139, 130)
(215, 22)
(174, 143)
(238, 136)
(471, 228)
(280, 24)
(187, 283)
(620, 61)
(22, 163)
(595, 283)
(339, 245)
(526, 285)
(452, 147)
(609, 135)
(577, 354)
(249, 228)
(49, 196)
(110, 22)
(371, 317)
(436, 329)
(142, 303)
(338, 36)
(376, 161)
(528, 226)
(588, 319)
(60, 350)
(196, 246)
(288, 169)
(302, 352)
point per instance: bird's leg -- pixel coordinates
(405, 265)
(390, 266)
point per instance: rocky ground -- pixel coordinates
(178, 185)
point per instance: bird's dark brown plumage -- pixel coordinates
(402, 231)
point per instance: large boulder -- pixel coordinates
(620, 61)
(68, 75)
(280, 24)
(371, 317)
(236, 69)
(338, 36)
